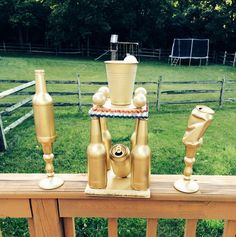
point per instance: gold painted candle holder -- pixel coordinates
(45, 129)
(199, 120)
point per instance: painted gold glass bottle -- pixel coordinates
(45, 129)
(140, 158)
(106, 138)
(134, 135)
(96, 153)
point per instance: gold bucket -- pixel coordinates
(121, 77)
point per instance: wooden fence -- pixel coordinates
(52, 213)
(156, 93)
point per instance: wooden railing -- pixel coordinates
(52, 213)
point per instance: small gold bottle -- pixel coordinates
(96, 153)
(134, 136)
(106, 138)
(140, 159)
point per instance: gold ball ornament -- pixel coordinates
(139, 100)
(105, 90)
(99, 99)
(140, 90)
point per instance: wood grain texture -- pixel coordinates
(15, 208)
(230, 229)
(112, 227)
(190, 228)
(46, 218)
(69, 227)
(151, 230)
(212, 188)
(31, 227)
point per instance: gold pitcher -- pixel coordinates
(96, 153)
(45, 129)
(199, 120)
(121, 77)
(141, 159)
(120, 160)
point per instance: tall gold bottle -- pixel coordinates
(134, 135)
(140, 158)
(45, 129)
(106, 138)
(96, 153)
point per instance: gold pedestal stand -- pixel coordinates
(199, 120)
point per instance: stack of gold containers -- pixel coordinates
(119, 170)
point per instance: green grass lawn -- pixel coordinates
(217, 156)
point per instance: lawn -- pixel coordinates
(166, 128)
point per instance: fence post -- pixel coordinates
(3, 142)
(159, 54)
(79, 93)
(159, 93)
(4, 46)
(222, 90)
(224, 60)
(234, 62)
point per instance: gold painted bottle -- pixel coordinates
(140, 158)
(43, 113)
(134, 135)
(106, 138)
(96, 153)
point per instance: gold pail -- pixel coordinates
(121, 77)
(120, 160)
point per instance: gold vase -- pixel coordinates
(141, 158)
(121, 77)
(120, 160)
(45, 129)
(199, 120)
(96, 153)
(106, 138)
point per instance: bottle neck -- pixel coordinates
(136, 126)
(95, 132)
(40, 84)
(103, 122)
(142, 132)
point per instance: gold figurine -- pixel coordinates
(198, 122)
(45, 129)
(120, 160)
(106, 138)
(140, 158)
(97, 159)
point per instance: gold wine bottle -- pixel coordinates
(106, 138)
(45, 129)
(140, 158)
(96, 153)
(134, 135)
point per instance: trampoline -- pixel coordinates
(189, 49)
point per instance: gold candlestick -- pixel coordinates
(45, 129)
(198, 122)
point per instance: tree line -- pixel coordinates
(152, 23)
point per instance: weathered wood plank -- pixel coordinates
(188, 101)
(151, 230)
(31, 227)
(3, 142)
(15, 208)
(54, 93)
(229, 228)
(18, 122)
(212, 188)
(176, 92)
(16, 106)
(192, 82)
(190, 228)
(69, 227)
(16, 89)
(45, 217)
(112, 227)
